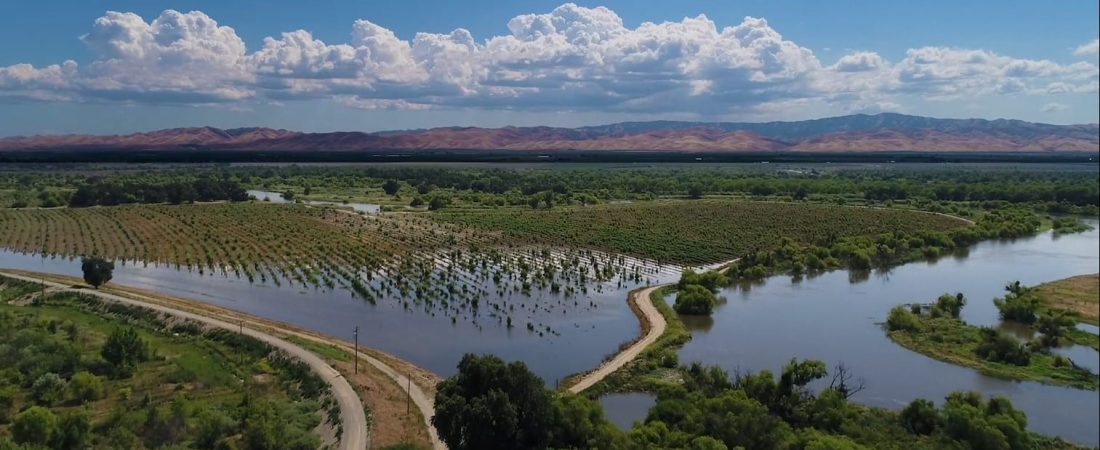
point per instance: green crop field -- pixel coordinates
(694, 232)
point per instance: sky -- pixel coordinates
(112, 66)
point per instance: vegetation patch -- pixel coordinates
(936, 331)
(1078, 295)
(696, 232)
(81, 373)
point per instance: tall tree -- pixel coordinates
(492, 405)
(97, 271)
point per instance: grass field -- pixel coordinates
(196, 388)
(695, 232)
(1079, 295)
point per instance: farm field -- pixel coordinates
(696, 232)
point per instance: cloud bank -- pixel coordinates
(573, 58)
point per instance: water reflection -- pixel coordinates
(837, 316)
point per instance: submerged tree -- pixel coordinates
(97, 271)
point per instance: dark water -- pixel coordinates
(584, 335)
(834, 319)
(625, 409)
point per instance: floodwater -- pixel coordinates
(586, 327)
(275, 197)
(837, 318)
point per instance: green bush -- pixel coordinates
(48, 389)
(901, 319)
(695, 300)
(85, 387)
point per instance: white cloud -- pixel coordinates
(1091, 48)
(1054, 107)
(572, 58)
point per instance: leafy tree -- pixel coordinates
(998, 346)
(920, 417)
(711, 279)
(36, 426)
(695, 192)
(8, 395)
(211, 425)
(492, 405)
(949, 305)
(97, 271)
(437, 203)
(901, 319)
(1054, 326)
(48, 389)
(391, 186)
(123, 350)
(74, 430)
(85, 387)
(1019, 304)
(579, 423)
(695, 300)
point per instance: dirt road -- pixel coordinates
(656, 327)
(352, 416)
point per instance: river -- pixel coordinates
(837, 318)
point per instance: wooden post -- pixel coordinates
(357, 349)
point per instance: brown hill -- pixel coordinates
(858, 133)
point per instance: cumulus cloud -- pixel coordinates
(571, 58)
(1091, 48)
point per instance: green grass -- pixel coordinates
(186, 372)
(954, 341)
(694, 232)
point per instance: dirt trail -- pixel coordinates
(656, 327)
(351, 410)
(653, 325)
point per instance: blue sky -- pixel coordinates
(68, 66)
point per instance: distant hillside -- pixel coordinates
(854, 133)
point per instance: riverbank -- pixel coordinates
(398, 372)
(655, 362)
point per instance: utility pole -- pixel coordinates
(357, 349)
(409, 398)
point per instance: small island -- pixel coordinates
(935, 330)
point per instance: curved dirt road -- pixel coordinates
(640, 298)
(352, 417)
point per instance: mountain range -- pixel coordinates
(853, 133)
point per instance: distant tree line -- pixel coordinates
(108, 193)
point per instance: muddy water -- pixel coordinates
(836, 317)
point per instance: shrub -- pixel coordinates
(901, 319)
(998, 346)
(695, 300)
(35, 426)
(85, 387)
(48, 389)
(950, 305)
(920, 417)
